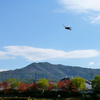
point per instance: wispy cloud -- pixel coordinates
(3, 70)
(91, 63)
(39, 54)
(83, 6)
(4, 55)
(95, 19)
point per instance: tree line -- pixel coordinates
(72, 85)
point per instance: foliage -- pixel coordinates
(43, 83)
(87, 97)
(26, 98)
(26, 81)
(78, 83)
(5, 85)
(66, 86)
(22, 87)
(13, 98)
(50, 87)
(96, 83)
(55, 86)
(13, 83)
(53, 80)
(98, 96)
(34, 87)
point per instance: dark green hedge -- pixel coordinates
(13, 98)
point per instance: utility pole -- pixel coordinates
(91, 74)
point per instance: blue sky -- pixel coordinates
(33, 31)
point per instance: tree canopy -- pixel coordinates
(78, 83)
(96, 82)
(43, 83)
(13, 83)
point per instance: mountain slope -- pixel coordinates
(48, 71)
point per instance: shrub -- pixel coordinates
(98, 96)
(1, 98)
(14, 98)
(87, 97)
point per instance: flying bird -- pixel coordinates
(69, 28)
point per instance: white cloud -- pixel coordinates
(83, 6)
(3, 70)
(3, 56)
(91, 63)
(39, 54)
(95, 19)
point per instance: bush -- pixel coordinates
(14, 98)
(87, 97)
(98, 96)
(73, 98)
(1, 98)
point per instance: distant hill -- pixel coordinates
(48, 71)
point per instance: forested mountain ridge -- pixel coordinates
(48, 71)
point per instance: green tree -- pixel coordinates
(13, 83)
(78, 83)
(55, 86)
(43, 83)
(96, 82)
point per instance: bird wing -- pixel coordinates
(64, 25)
(67, 27)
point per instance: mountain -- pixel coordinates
(49, 71)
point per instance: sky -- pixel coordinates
(32, 31)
